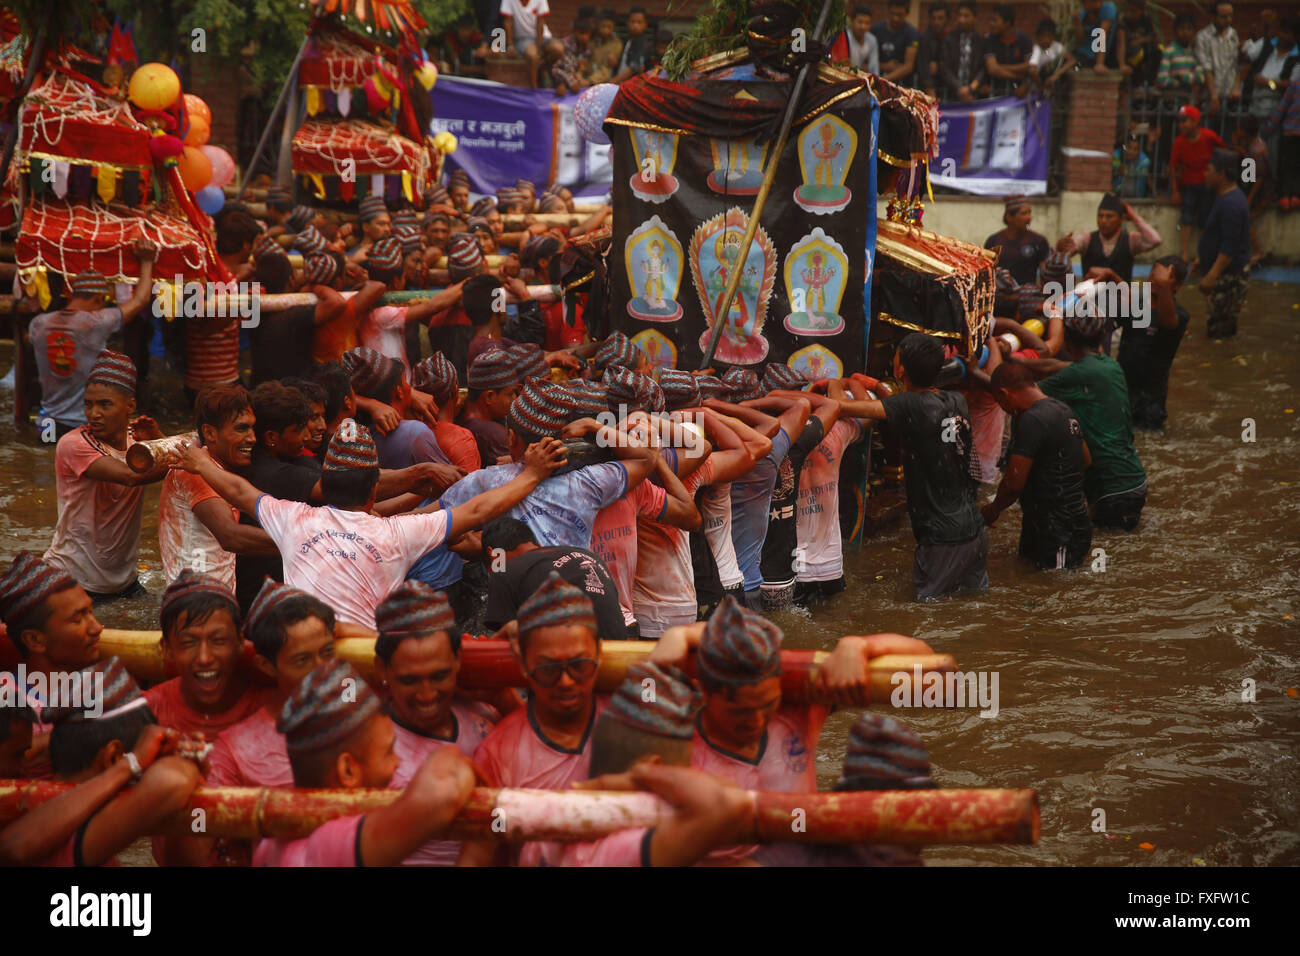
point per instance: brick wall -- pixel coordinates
(219, 83)
(1090, 124)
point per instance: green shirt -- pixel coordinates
(1094, 389)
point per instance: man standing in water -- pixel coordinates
(1046, 461)
(97, 538)
(951, 546)
(1223, 253)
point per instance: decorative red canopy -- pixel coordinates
(68, 238)
(324, 146)
(67, 119)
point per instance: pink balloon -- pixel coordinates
(223, 167)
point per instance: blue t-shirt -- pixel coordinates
(1226, 232)
(751, 497)
(408, 444)
(1084, 51)
(561, 509)
(441, 567)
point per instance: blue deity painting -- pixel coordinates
(816, 274)
(653, 259)
(826, 147)
(656, 155)
(816, 362)
(737, 166)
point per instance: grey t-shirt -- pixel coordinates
(67, 344)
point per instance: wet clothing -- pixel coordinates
(66, 345)
(937, 443)
(527, 572)
(777, 562)
(1056, 531)
(940, 569)
(1094, 389)
(1146, 355)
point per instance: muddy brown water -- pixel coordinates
(1119, 690)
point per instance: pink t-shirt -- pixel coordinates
(348, 559)
(987, 422)
(183, 540)
(473, 722)
(97, 538)
(665, 577)
(251, 754)
(614, 537)
(336, 843)
(384, 330)
(817, 516)
(785, 764)
(715, 512)
(624, 848)
(515, 755)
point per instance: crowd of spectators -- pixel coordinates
(1239, 87)
(601, 46)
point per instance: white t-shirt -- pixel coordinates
(348, 559)
(384, 330)
(817, 517)
(1050, 57)
(524, 14)
(665, 577)
(715, 510)
(183, 540)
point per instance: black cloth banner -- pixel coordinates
(682, 204)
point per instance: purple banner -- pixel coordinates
(994, 147)
(506, 133)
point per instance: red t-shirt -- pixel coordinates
(1188, 159)
(458, 444)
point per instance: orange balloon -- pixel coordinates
(195, 168)
(199, 131)
(196, 107)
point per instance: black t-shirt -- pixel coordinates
(1021, 257)
(526, 573)
(1007, 54)
(1053, 502)
(287, 480)
(1147, 355)
(777, 561)
(895, 44)
(936, 435)
(280, 344)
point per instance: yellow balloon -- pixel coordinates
(427, 75)
(154, 86)
(1035, 326)
(445, 142)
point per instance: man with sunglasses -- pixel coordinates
(547, 743)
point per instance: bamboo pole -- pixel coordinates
(887, 817)
(220, 303)
(491, 665)
(769, 174)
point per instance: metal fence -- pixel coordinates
(1158, 110)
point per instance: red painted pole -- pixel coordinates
(906, 817)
